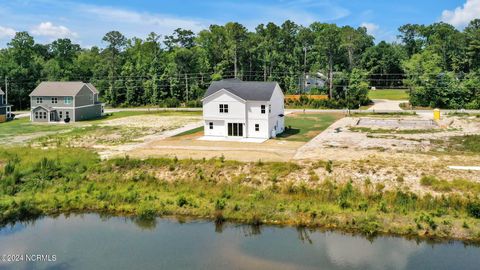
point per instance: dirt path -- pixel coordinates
(386, 105)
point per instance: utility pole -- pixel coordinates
(304, 68)
(186, 85)
(6, 90)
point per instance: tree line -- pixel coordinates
(438, 63)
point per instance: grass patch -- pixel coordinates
(391, 94)
(23, 126)
(37, 182)
(303, 127)
(468, 143)
(121, 114)
(190, 132)
(447, 186)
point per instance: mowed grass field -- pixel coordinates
(305, 126)
(392, 94)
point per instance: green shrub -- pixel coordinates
(220, 204)
(182, 201)
(473, 209)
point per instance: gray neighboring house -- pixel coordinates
(57, 101)
(5, 109)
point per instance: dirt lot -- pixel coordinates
(190, 147)
(395, 156)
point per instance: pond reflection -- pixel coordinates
(104, 242)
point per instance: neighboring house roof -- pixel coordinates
(62, 89)
(1, 92)
(93, 88)
(254, 91)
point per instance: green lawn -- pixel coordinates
(392, 94)
(190, 132)
(23, 126)
(303, 127)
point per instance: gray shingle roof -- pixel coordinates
(255, 91)
(60, 88)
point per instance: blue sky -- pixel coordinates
(86, 21)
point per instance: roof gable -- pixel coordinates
(223, 91)
(1, 92)
(61, 89)
(253, 91)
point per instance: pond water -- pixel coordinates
(93, 242)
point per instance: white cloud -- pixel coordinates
(372, 28)
(6, 32)
(142, 18)
(461, 16)
(48, 29)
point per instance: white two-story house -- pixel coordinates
(235, 108)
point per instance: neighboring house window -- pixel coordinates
(262, 109)
(223, 108)
(54, 100)
(257, 127)
(60, 114)
(36, 115)
(44, 115)
(210, 125)
(39, 100)
(67, 114)
(68, 100)
(269, 108)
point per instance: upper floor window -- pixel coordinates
(68, 100)
(54, 100)
(39, 100)
(269, 108)
(262, 109)
(223, 108)
(257, 127)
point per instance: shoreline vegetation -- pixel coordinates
(37, 182)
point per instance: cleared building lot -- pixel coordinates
(301, 127)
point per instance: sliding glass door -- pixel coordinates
(235, 129)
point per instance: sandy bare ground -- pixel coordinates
(338, 142)
(190, 147)
(386, 105)
(391, 160)
(172, 128)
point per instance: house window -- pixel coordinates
(67, 114)
(223, 108)
(67, 100)
(262, 109)
(210, 125)
(36, 115)
(39, 100)
(60, 114)
(54, 100)
(269, 108)
(257, 127)
(44, 115)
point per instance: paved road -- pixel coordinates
(381, 107)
